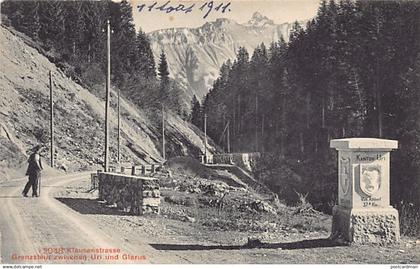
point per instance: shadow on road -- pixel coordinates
(90, 206)
(304, 244)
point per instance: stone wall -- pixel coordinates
(137, 195)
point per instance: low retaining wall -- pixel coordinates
(136, 170)
(244, 160)
(137, 195)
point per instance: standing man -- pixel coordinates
(34, 172)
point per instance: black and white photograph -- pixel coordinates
(275, 132)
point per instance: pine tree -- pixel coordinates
(14, 12)
(280, 89)
(123, 41)
(23, 16)
(52, 19)
(30, 23)
(195, 112)
(163, 77)
(405, 180)
(74, 27)
(145, 62)
(261, 91)
(238, 83)
(94, 35)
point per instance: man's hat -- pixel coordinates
(36, 148)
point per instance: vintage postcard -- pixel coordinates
(209, 132)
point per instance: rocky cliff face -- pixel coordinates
(195, 55)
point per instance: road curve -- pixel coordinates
(30, 226)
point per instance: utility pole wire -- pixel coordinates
(51, 122)
(163, 133)
(205, 138)
(228, 137)
(119, 128)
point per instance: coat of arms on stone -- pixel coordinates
(345, 174)
(370, 178)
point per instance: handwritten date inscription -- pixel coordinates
(206, 8)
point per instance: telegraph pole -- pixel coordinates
(256, 123)
(228, 137)
(119, 128)
(163, 133)
(51, 122)
(108, 82)
(205, 138)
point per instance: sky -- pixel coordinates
(241, 11)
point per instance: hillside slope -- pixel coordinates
(79, 116)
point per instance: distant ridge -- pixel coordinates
(195, 55)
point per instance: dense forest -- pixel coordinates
(352, 72)
(73, 35)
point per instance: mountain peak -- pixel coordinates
(223, 21)
(259, 20)
(257, 15)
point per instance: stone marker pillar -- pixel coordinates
(363, 213)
